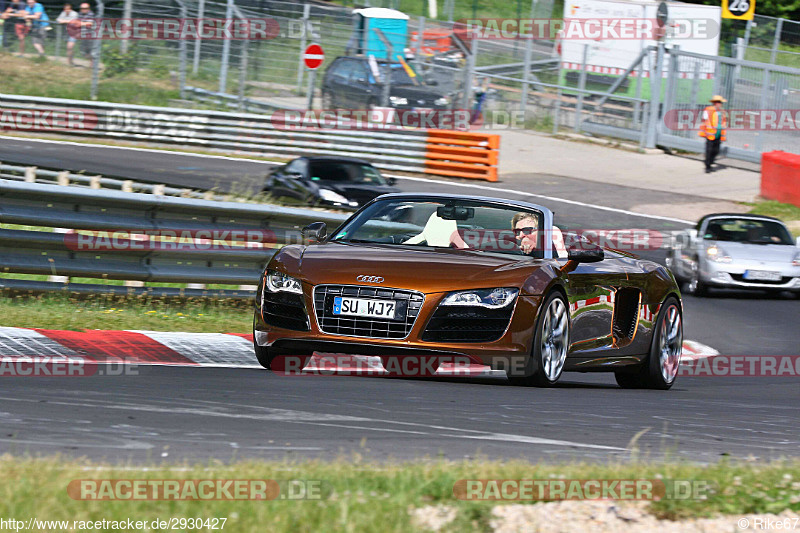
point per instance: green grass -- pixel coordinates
(359, 496)
(775, 209)
(59, 311)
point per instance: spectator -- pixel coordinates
(38, 22)
(11, 15)
(7, 27)
(67, 16)
(86, 19)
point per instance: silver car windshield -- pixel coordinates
(748, 231)
(459, 224)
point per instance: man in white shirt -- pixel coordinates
(67, 16)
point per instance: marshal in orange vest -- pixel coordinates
(713, 118)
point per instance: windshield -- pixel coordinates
(748, 231)
(346, 172)
(459, 224)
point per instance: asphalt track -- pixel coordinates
(168, 414)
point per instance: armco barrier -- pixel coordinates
(462, 154)
(53, 206)
(780, 177)
(398, 150)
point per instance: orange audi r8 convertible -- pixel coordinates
(491, 280)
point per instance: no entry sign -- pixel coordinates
(313, 56)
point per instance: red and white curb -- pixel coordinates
(225, 350)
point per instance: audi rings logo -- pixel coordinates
(369, 279)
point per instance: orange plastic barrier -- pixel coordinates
(780, 177)
(461, 154)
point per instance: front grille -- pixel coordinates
(740, 277)
(284, 310)
(408, 305)
(467, 324)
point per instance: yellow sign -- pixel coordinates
(738, 9)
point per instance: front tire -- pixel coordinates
(550, 345)
(262, 354)
(696, 285)
(660, 368)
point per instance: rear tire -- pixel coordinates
(550, 345)
(660, 368)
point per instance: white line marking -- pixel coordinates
(544, 197)
(316, 419)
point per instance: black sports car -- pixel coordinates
(333, 181)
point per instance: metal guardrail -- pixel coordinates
(50, 253)
(242, 132)
(31, 174)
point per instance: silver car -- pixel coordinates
(736, 251)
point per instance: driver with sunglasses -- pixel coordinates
(525, 226)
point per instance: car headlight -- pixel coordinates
(333, 197)
(441, 101)
(489, 298)
(717, 254)
(398, 100)
(796, 260)
(278, 282)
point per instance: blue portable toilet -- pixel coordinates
(393, 24)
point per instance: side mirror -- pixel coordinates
(797, 242)
(361, 81)
(692, 234)
(432, 83)
(585, 254)
(315, 232)
(393, 181)
(295, 175)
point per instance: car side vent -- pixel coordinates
(626, 310)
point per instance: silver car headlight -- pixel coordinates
(796, 260)
(488, 298)
(717, 254)
(441, 101)
(398, 100)
(279, 282)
